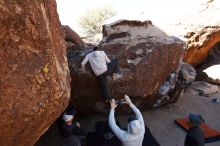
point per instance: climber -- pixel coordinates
(102, 67)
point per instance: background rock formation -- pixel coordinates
(199, 44)
(146, 56)
(34, 78)
(209, 70)
(200, 31)
(72, 38)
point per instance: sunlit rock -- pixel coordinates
(199, 44)
(34, 78)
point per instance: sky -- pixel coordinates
(158, 11)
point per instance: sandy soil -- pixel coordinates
(160, 121)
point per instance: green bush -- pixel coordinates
(91, 23)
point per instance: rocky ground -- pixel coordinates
(160, 121)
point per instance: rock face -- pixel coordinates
(200, 43)
(34, 78)
(72, 37)
(209, 70)
(202, 88)
(171, 89)
(187, 74)
(146, 57)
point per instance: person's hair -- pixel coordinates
(95, 48)
(71, 111)
(195, 119)
(131, 118)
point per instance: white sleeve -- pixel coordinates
(138, 114)
(106, 57)
(121, 134)
(86, 59)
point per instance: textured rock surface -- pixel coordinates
(72, 37)
(34, 78)
(146, 56)
(171, 89)
(199, 44)
(210, 65)
(202, 88)
(187, 73)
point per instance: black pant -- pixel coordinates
(102, 79)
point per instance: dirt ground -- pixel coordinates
(160, 121)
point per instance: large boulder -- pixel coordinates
(34, 78)
(147, 57)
